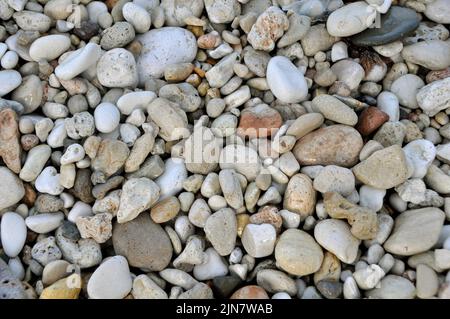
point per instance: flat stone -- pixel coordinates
(394, 25)
(144, 243)
(415, 231)
(259, 121)
(298, 253)
(333, 145)
(393, 287)
(383, 169)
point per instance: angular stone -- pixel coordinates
(383, 169)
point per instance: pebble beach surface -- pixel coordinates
(243, 149)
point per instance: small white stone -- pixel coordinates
(16, 267)
(13, 233)
(137, 16)
(129, 102)
(371, 197)
(339, 51)
(78, 61)
(9, 60)
(111, 280)
(369, 277)
(171, 181)
(406, 88)
(106, 117)
(389, 104)
(259, 240)
(74, 153)
(80, 209)
(48, 181)
(44, 223)
(419, 156)
(214, 266)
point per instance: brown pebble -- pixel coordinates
(267, 215)
(10, 149)
(259, 121)
(250, 292)
(437, 75)
(30, 195)
(29, 141)
(370, 120)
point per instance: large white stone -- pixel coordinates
(351, 19)
(162, 47)
(49, 47)
(13, 233)
(111, 280)
(285, 81)
(78, 61)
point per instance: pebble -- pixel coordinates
(268, 28)
(49, 47)
(383, 169)
(107, 117)
(335, 236)
(78, 62)
(46, 251)
(393, 287)
(419, 156)
(275, 281)
(437, 11)
(350, 19)
(137, 16)
(144, 243)
(403, 242)
(212, 268)
(145, 288)
(221, 230)
(335, 179)
(250, 292)
(433, 54)
(393, 25)
(434, 97)
(406, 88)
(157, 53)
(111, 280)
(427, 282)
(297, 253)
(300, 196)
(222, 11)
(285, 81)
(117, 68)
(339, 145)
(9, 79)
(66, 288)
(259, 240)
(334, 110)
(13, 234)
(45, 222)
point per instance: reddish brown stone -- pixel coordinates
(259, 121)
(10, 149)
(370, 120)
(30, 195)
(437, 75)
(250, 292)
